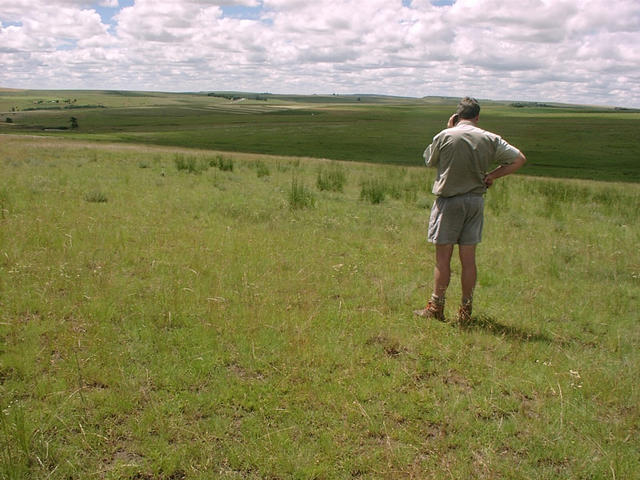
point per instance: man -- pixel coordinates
(463, 154)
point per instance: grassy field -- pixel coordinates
(180, 314)
(560, 140)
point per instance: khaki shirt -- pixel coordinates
(463, 155)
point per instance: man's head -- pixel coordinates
(468, 108)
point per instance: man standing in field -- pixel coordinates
(462, 153)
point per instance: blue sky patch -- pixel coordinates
(236, 11)
(107, 13)
(5, 24)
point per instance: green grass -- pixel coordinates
(300, 196)
(561, 141)
(196, 326)
(331, 178)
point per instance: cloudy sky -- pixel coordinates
(576, 51)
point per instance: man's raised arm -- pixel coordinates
(504, 170)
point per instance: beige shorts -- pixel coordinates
(457, 220)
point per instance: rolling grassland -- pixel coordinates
(563, 141)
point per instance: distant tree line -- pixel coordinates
(66, 107)
(57, 100)
(530, 104)
(234, 97)
(73, 121)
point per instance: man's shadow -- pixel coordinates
(490, 324)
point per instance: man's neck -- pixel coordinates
(472, 121)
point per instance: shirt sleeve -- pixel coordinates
(431, 156)
(505, 153)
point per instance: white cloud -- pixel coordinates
(581, 51)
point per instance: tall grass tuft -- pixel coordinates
(331, 178)
(262, 170)
(300, 196)
(392, 184)
(190, 164)
(373, 190)
(15, 448)
(222, 163)
(4, 203)
(96, 196)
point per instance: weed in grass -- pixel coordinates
(222, 163)
(5, 203)
(300, 196)
(261, 168)
(394, 182)
(373, 190)
(332, 178)
(190, 164)
(96, 196)
(394, 185)
(14, 443)
(183, 163)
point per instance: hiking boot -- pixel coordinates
(432, 310)
(464, 313)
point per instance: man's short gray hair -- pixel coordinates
(468, 108)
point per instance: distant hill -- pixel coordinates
(335, 98)
(313, 98)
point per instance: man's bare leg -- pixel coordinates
(468, 279)
(469, 270)
(442, 275)
(442, 270)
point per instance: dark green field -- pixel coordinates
(559, 140)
